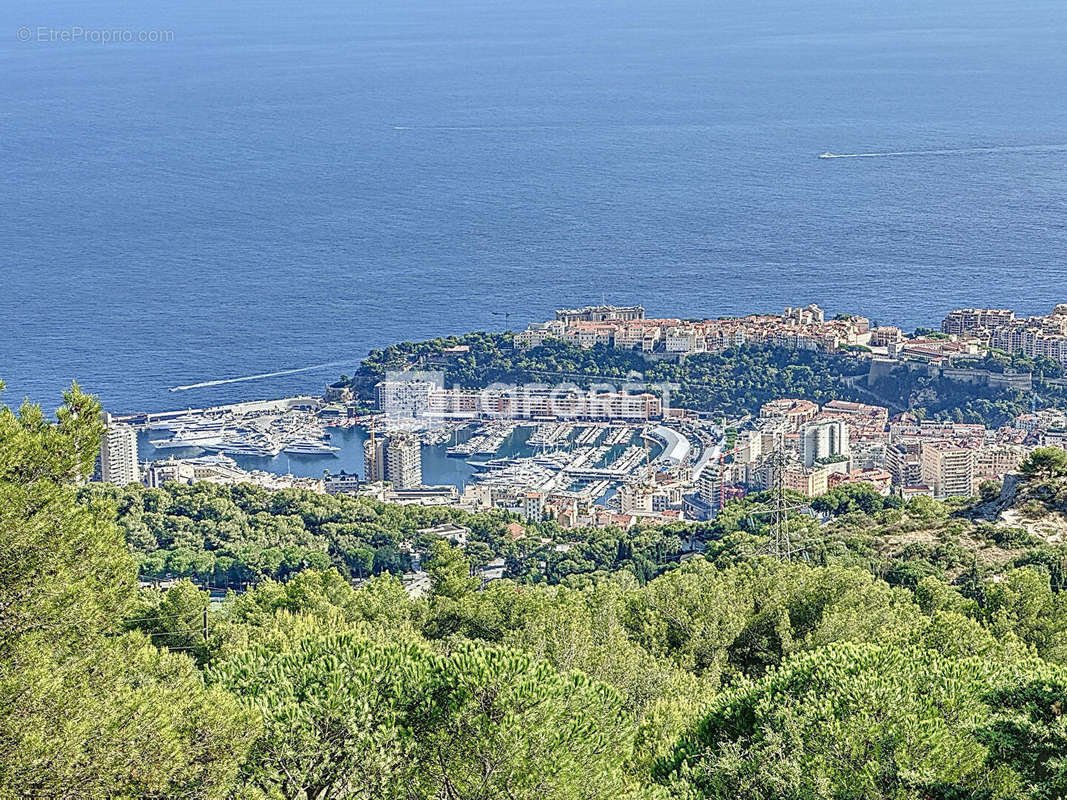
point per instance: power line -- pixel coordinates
(175, 633)
(780, 544)
(156, 617)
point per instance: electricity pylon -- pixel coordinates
(780, 545)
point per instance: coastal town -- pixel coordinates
(624, 455)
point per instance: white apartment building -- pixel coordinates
(823, 439)
(749, 446)
(589, 337)
(636, 499)
(533, 506)
(685, 339)
(948, 469)
(537, 332)
(809, 315)
(118, 454)
(709, 485)
(637, 337)
(403, 462)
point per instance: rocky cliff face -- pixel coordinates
(1038, 506)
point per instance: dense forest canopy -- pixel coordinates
(230, 536)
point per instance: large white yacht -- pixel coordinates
(309, 447)
(200, 437)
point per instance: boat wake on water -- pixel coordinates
(960, 151)
(260, 376)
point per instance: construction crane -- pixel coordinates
(722, 480)
(506, 315)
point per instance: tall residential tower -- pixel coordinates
(117, 462)
(397, 459)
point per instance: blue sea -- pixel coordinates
(267, 186)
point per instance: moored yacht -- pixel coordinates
(310, 447)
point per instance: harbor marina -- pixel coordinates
(585, 460)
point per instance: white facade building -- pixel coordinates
(403, 462)
(118, 454)
(709, 485)
(823, 439)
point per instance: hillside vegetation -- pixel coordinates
(735, 382)
(234, 536)
(866, 670)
